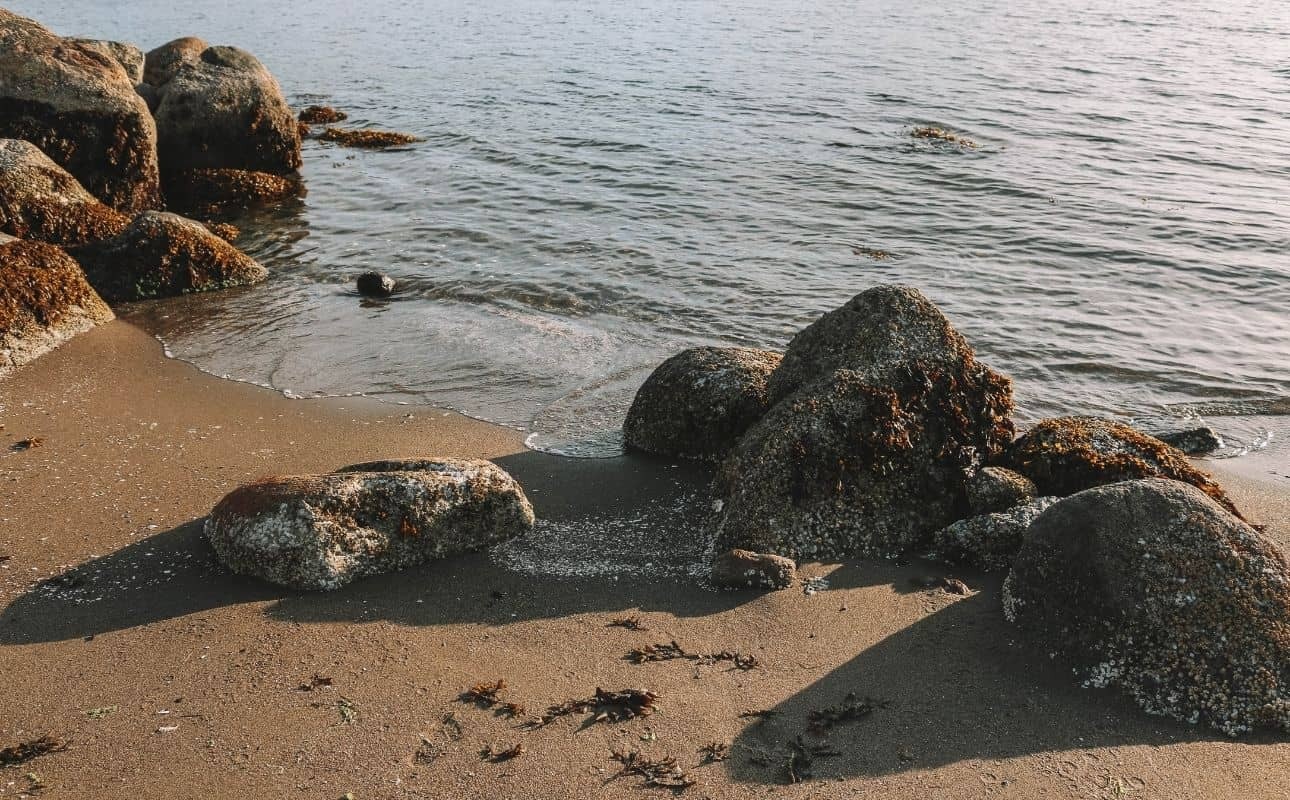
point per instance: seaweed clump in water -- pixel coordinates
(367, 139)
(322, 115)
(935, 134)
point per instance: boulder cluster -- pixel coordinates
(878, 433)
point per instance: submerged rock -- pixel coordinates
(80, 108)
(700, 401)
(1153, 588)
(367, 139)
(45, 301)
(988, 541)
(322, 115)
(885, 407)
(323, 531)
(163, 254)
(1069, 454)
(375, 284)
(213, 191)
(161, 63)
(41, 201)
(744, 569)
(993, 489)
(127, 56)
(1192, 441)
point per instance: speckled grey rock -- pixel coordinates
(161, 63)
(868, 459)
(127, 56)
(162, 254)
(44, 301)
(225, 111)
(992, 489)
(700, 401)
(744, 569)
(79, 107)
(1151, 587)
(989, 541)
(323, 531)
(1192, 441)
(41, 201)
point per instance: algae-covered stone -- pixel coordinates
(163, 254)
(206, 192)
(1069, 454)
(700, 401)
(993, 489)
(44, 301)
(744, 569)
(988, 541)
(1151, 587)
(41, 201)
(323, 531)
(885, 409)
(80, 108)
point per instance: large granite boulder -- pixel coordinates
(700, 401)
(1152, 587)
(988, 541)
(41, 201)
(161, 63)
(1069, 454)
(80, 108)
(323, 531)
(45, 300)
(223, 110)
(127, 56)
(162, 254)
(885, 409)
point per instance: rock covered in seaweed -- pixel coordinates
(988, 541)
(205, 192)
(885, 407)
(162, 254)
(223, 110)
(1069, 454)
(129, 57)
(698, 403)
(367, 138)
(45, 301)
(41, 201)
(1151, 587)
(993, 489)
(323, 531)
(322, 115)
(744, 569)
(81, 109)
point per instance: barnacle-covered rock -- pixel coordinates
(127, 56)
(41, 201)
(80, 108)
(163, 254)
(1152, 587)
(323, 531)
(161, 63)
(206, 192)
(988, 541)
(700, 401)
(885, 407)
(1069, 454)
(744, 569)
(223, 110)
(992, 489)
(322, 115)
(1192, 441)
(44, 301)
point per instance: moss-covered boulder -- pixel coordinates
(80, 108)
(163, 254)
(206, 192)
(44, 301)
(1151, 587)
(1069, 454)
(41, 201)
(224, 110)
(885, 409)
(698, 403)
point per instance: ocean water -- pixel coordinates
(603, 183)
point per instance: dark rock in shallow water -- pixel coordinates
(322, 115)
(743, 569)
(161, 255)
(375, 284)
(367, 139)
(1069, 454)
(322, 531)
(161, 64)
(1151, 587)
(700, 401)
(1192, 441)
(204, 192)
(994, 489)
(989, 541)
(80, 108)
(886, 408)
(40, 201)
(45, 301)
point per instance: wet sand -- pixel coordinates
(194, 673)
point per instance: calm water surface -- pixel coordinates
(603, 183)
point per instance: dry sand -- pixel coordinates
(195, 672)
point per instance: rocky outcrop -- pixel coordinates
(323, 531)
(1151, 587)
(700, 401)
(162, 254)
(127, 56)
(1069, 454)
(743, 569)
(41, 201)
(45, 301)
(222, 110)
(81, 109)
(206, 192)
(993, 489)
(161, 64)
(884, 407)
(988, 541)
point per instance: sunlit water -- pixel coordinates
(604, 183)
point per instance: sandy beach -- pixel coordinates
(170, 677)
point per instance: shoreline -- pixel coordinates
(137, 447)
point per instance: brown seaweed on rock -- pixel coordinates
(322, 115)
(206, 192)
(41, 201)
(367, 139)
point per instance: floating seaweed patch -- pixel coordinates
(367, 138)
(935, 134)
(658, 772)
(870, 252)
(322, 115)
